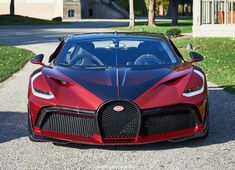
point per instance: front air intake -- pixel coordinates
(119, 123)
(167, 122)
(69, 124)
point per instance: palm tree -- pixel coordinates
(12, 7)
(132, 13)
(151, 13)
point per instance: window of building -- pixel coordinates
(71, 13)
(218, 11)
(231, 12)
(206, 12)
(90, 12)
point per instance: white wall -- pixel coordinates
(45, 9)
(209, 30)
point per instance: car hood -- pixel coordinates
(116, 83)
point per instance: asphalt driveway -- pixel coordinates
(17, 152)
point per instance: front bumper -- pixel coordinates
(64, 125)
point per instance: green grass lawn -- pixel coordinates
(22, 20)
(12, 59)
(162, 26)
(219, 63)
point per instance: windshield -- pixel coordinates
(117, 53)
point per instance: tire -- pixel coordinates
(30, 133)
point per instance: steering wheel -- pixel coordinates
(88, 61)
(147, 59)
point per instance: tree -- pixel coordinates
(131, 13)
(175, 4)
(151, 13)
(12, 7)
(170, 8)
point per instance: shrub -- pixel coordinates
(57, 19)
(174, 32)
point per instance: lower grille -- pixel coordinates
(125, 124)
(119, 124)
(168, 122)
(69, 124)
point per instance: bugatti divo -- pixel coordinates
(117, 89)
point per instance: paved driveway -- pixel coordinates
(17, 152)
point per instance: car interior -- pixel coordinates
(144, 53)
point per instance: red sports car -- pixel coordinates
(111, 88)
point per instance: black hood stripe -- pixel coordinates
(114, 83)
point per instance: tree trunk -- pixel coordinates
(183, 12)
(191, 11)
(151, 15)
(170, 7)
(132, 13)
(175, 12)
(12, 7)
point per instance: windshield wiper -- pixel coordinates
(92, 67)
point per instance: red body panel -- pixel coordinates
(65, 95)
(164, 93)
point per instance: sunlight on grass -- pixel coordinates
(219, 63)
(162, 26)
(12, 60)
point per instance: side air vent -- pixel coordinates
(173, 81)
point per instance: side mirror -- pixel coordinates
(189, 46)
(37, 59)
(195, 57)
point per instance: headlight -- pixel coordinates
(193, 89)
(43, 92)
(40, 93)
(198, 89)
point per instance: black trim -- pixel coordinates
(57, 51)
(161, 110)
(70, 111)
(176, 50)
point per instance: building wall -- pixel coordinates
(214, 31)
(72, 5)
(45, 9)
(96, 9)
(211, 29)
(48, 9)
(104, 12)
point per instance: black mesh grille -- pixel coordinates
(69, 124)
(121, 124)
(167, 122)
